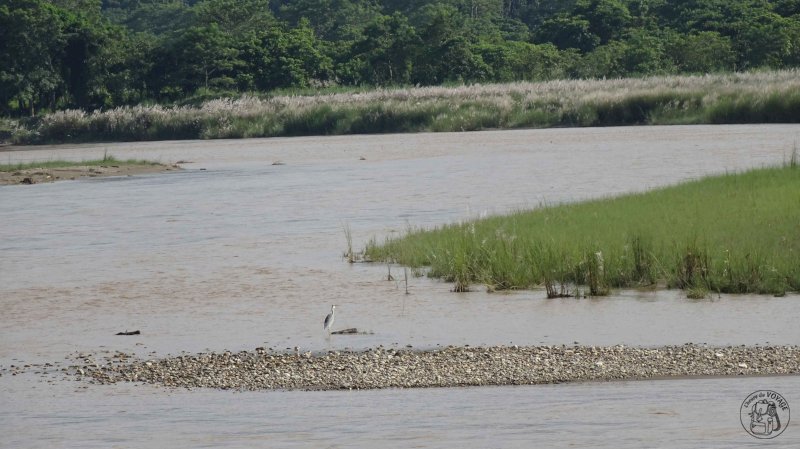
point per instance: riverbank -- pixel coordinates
(52, 171)
(448, 367)
(759, 97)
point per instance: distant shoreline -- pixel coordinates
(733, 98)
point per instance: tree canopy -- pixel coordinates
(91, 54)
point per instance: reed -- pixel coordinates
(759, 97)
(349, 255)
(732, 233)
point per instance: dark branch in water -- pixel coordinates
(350, 331)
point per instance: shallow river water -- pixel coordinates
(234, 252)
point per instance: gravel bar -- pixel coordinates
(447, 367)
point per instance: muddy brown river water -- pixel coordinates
(234, 252)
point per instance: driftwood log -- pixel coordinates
(352, 330)
(129, 333)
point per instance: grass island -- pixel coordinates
(730, 233)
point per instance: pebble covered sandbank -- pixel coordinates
(447, 367)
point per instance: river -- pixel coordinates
(243, 248)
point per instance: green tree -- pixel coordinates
(446, 50)
(88, 52)
(160, 17)
(516, 61)
(786, 8)
(31, 46)
(332, 19)
(287, 58)
(608, 19)
(385, 54)
(567, 31)
(792, 58)
(760, 36)
(535, 12)
(234, 17)
(645, 54)
(766, 42)
(128, 64)
(703, 52)
(206, 56)
(605, 61)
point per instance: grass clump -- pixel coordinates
(733, 233)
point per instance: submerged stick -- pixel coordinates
(349, 331)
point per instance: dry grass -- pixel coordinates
(724, 98)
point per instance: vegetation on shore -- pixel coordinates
(126, 70)
(102, 54)
(733, 233)
(105, 161)
(760, 97)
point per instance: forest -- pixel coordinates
(101, 54)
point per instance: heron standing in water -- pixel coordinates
(329, 319)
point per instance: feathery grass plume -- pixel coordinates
(758, 97)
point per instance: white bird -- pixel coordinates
(329, 319)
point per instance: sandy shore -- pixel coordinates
(452, 366)
(40, 175)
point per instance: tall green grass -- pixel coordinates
(734, 233)
(761, 97)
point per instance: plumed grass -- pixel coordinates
(762, 97)
(734, 233)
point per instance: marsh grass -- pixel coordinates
(106, 160)
(732, 233)
(697, 292)
(793, 159)
(349, 255)
(759, 97)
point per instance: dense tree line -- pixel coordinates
(91, 54)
